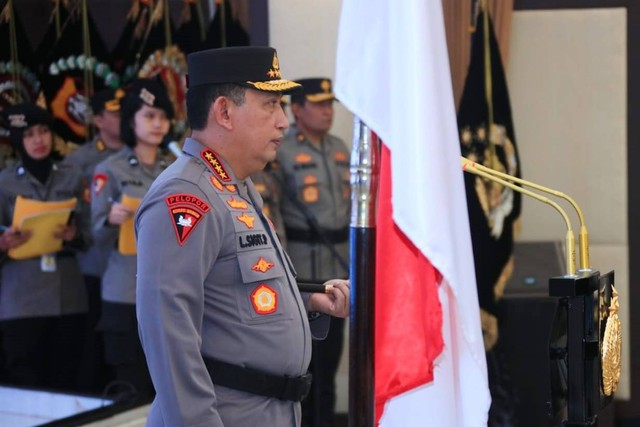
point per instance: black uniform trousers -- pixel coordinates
(318, 408)
(43, 352)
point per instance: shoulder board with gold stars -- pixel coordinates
(211, 159)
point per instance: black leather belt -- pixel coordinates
(303, 235)
(258, 382)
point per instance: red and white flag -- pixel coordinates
(393, 73)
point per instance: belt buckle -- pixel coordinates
(297, 388)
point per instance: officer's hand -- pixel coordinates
(66, 232)
(118, 213)
(12, 238)
(335, 301)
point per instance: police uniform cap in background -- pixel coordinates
(19, 117)
(313, 90)
(106, 100)
(250, 66)
(141, 92)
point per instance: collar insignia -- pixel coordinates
(262, 265)
(230, 188)
(186, 211)
(214, 163)
(247, 220)
(100, 145)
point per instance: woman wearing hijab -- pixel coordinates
(145, 120)
(42, 298)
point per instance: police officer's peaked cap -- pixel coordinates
(313, 90)
(106, 100)
(249, 66)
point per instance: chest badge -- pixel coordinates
(247, 220)
(263, 265)
(264, 299)
(186, 211)
(340, 156)
(303, 158)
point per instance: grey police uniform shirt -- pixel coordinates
(25, 289)
(214, 281)
(318, 177)
(119, 174)
(93, 261)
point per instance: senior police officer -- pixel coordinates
(313, 168)
(223, 325)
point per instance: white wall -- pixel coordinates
(305, 33)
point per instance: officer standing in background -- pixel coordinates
(222, 322)
(43, 299)
(121, 179)
(271, 193)
(313, 168)
(105, 106)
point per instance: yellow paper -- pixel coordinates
(29, 207)
(42, 226)
(127, 236)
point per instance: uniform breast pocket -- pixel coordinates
(262, 291)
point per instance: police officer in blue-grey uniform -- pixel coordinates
(105, 106)
(146, 114)
(313, 169)
(43, 298)
(223, 325)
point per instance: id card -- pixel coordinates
(48, 263)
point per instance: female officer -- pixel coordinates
(145, 120)
(42, 299)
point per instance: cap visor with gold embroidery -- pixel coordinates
(320, 97)
(316, 89)
(250, 66)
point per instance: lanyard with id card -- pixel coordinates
(48, 263)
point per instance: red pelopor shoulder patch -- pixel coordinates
(98, 183)
(186, 211)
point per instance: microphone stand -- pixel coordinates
(581, 297)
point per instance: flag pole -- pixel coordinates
(364, 186)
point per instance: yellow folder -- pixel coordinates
(43, 219)
(127, 236)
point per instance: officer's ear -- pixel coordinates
(219, 112)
